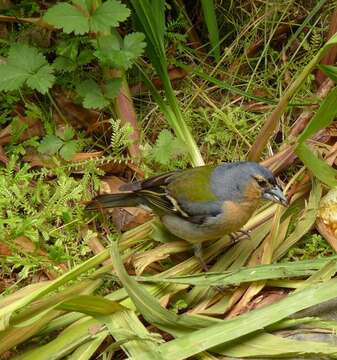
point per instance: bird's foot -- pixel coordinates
(237, 236)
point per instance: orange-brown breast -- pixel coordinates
(237, 214)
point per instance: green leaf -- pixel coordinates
(270, 346)
(225, 332)
(7, 310)
(68, 133)
(110, 13)
(84, 57)
(11, 77)
(26, 65)
(64, 64)
(329, 70)
(26, 57)
(69, 149)
(208, 9)
(69, 18)
(93, 97)
(50, 144)
(324, 116)
(80, 19)
(68, 48)
(134, 46)
(319, 168)
(150, 18)
(111, 52)
(91, 305)
(112, 88)
(42, 80)
(166, 147)
(247, 274)
(108, 51)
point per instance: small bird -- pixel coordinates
(201, 203)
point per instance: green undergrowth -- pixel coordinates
(311, 246)
(46, 209)
(45, 230)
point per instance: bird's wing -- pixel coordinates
(153, 192)
(185, 193)
(192, 193)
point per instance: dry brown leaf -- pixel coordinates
(34, 128)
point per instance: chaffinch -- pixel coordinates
(202, 203)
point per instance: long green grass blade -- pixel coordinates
(208, 9)
(224, 332)
(319, 168)
(270, 346)
(324, 116)
(243, 275)
(150, 17)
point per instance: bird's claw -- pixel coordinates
(237, 236)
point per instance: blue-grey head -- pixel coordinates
(246, 181)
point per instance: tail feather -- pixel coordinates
(114, 200)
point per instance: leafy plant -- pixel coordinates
(120, 137)
(85, 16)
(47, 213)
(151, 20)
(64, 144)
(26, 66)
(107, 47)
(96, 97)
(167, 148)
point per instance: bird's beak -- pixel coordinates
(276, 195)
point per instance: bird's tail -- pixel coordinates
(114, 200)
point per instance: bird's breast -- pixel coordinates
(234, 215)
(232, 218)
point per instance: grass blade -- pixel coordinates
(150, 17)
(243, 275)
(208, 9)
(224, 332)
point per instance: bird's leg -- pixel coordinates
(198, 254)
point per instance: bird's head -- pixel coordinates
(248, 182)
(263, 183)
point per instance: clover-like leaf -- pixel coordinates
(106, 47)
(42, 80)
(69, 149)
(134, 45)
(93, 97)
(109, 14)
(68, 17)
(110, 52)
(166, 147)
(25, 65)
(82, 17)
(50, 144)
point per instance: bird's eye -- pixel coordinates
(261, 182)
